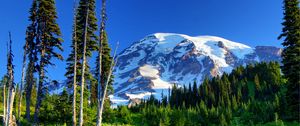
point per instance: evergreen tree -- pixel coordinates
(125, 115)
(195, 94)
(106, 85)
(48, 39)
(257, 86)
(105, 64)
(256, 81)
(103, 60)
(85, 33)
(29, 87)
(63, 106)
(291, 55)
(91, 42)
(32, 56)
(222, 120)
(203, 111)
(74, 120)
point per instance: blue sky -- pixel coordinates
(252, 22)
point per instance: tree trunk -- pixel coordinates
(75, 69)
(10, 103)
(28, 99)
(29, 89)
(99, 83)
(113, 62)
(21, 85)
(74, 90)
(11, 87)
(7, 107)
(102, 27)
(4, 92)
(4, 104)
(40, 89)
(83, 68)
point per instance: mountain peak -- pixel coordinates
(153, 64)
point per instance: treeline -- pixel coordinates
(254, 94)
(259, 82)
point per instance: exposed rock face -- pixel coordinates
(268, 53)
(134, 102)
(154, 63)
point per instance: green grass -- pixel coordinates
(106, 124)
(137, 119)
(280, 123)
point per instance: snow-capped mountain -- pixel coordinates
(153, 64)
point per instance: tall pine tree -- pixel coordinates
(32, 56)
(104, 57)
(91, 42)
(74, 119)
(82, 86)
(105, 66)
(48, 40)
(291, 55)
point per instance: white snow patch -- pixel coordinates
(152, 73)
(149, 71)
(117, 101)
(138, 95)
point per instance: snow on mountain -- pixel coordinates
(156, 62)
(152, 73)
(152, 65)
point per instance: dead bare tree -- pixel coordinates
(22, 81)
(75, 66)
(4, 92)
(113, 62)
(102, 28)
(83, 66)
(11, 86)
